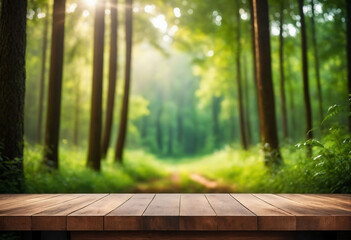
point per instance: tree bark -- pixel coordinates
(247, 106)
(316, 63)
(243, 139)
(76, 115)
(253, 44)
(170, 139)
(42, 75)
(281, 71)
(348, 33)
(94, 151)
(124, 112)
(159, 129)
(306, 90)
(267, 117)
(12, 89)
(53, 111)
(112, 79)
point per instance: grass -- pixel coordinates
(227, 170)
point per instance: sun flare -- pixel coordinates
(91, 2)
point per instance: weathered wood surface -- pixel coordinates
(175, 212)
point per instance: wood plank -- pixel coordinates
(319, 202)
(307, 217)
(341, 216)
(19, 200)
(341, 198)
(54, 218)
(91, 217)
(181, 235)
(269, 217)
(231, 215)
(129, 215)
(16, 219)
(162, 213)
(196, 214)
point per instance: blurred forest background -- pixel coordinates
(192, 121)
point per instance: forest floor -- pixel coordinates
(226, 170)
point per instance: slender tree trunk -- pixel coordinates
(76, 115)
(281, 71)
(215, 126)
(247, 106)
(267, 117)
(316, 63)
(94, 151)
(42, 75)
(53, 111)
(306, 90)
(253, 44)
(124, 113)
(159, 129)
(348, 29)
(292, 102)
(12, 88)
(243, 139)
(170, 139)
(112, 79)
(180, 122)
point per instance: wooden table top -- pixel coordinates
(175, 212)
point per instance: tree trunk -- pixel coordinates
(112, 79)
(292, 102)
(254, 59)
(180, 122)
(316, 63)
(269, 138)
(247, 106)
(348, 29)
(76, 115)
(243, 139)
(94, 151)
(159, 129)
(42, 75)
(306, 90)
(170, 140)
(124, 112)
(53, 112)
(281, 71)
(12, 88)
(215, 126)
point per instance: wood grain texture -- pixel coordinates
(8, 200)
(91, 217)
(162, 213)
(269, 217)
(308, 217)
(129, 215)
(54, 218)
(181, 235)
(231, 215)
(19, 218)
(196, 214)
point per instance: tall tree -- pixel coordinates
(281, 71)
(316, 63)
(124, 112)
(269, 137)
(55, 85)
(94, 151)
(306, 91)
(42, 75)
(159, 129)
(253, 45)
(239, 84)
(348, 29)
(76, 114)
(12, 88)
(113, 65)
(247, 105)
